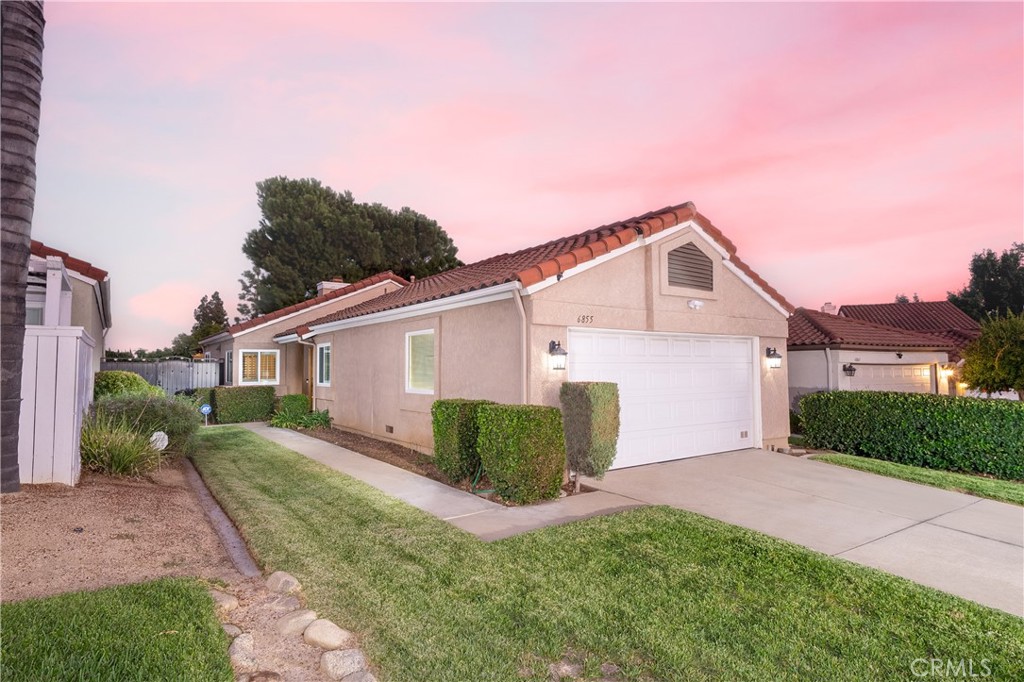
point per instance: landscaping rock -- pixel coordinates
(282, 583)
(326, 635)
(286, 603)
(224, 601)
(340, 664)
(361, 676)
(242, 653)
(295, 622)
(231, 629)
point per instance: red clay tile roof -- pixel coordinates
(814, 328)
(316, 300)
(82, 267)
(535, 264)
(938, 318)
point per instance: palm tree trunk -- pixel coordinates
(22, 76)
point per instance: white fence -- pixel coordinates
(56, 389)
(173, 374)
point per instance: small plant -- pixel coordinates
(318, 419)
(523, 450)
(117, 382)
(590, 413)
(455, 436)
(112, 446)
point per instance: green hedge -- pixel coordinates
(455, 436)
(148, 414)
(233, 404)
(293, 405)
(971, 435)
(523, 450)
(118, 382)
(590, 416)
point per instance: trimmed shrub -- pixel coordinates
(796, 424)
(294, 404)
(590, 417)
(118, 382)
(455, 436)
(293, 412)
(110, 445)
(970, 435)
(523, 450)
(234, 404)
(148, 414)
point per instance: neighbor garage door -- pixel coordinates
(902, 378)
(681, 395)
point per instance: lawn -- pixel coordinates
(992, 488)
(161, 630)
(664, 594)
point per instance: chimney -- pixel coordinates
(323, 287)
(828, 308)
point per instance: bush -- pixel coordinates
(796, 424)
(455, 436)
(522, 449)
(318, 419)
(970, 435)
(233, 404)
(590, 416)
(110, 445)
(294, 405)
(148, 414)
(117, 382)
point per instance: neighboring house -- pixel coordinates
(938, 318)
(659, 304)
(830, 352)
(67, 315)
(247, 350)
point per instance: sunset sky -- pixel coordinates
(852, 152)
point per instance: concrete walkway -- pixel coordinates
(483, 518)
(958, 543)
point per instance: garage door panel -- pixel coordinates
(901, 378)
(680, 395)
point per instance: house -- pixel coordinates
(833, 352)
(938, 318)
(247, 350)
(660, 304)
(67, 315)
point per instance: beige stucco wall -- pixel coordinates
(476, 355)
(85, 312)
(630, 292)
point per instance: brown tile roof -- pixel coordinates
(535, 264)
(82, 267)
(316, 300)
(939, 318)
(814, 328)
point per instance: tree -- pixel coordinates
(210, 317)
(310, 233)
(996, 286)
(902, 298)
(995, 360)
(21, 46)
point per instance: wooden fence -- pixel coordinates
(56, 389)
(172, 374)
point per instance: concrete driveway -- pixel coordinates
(958, 543)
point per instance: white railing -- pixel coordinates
(56, 389)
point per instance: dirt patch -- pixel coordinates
(106, 531)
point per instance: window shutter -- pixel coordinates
(689, 267)
(268, 366)
(250, 366)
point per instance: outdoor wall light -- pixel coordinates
(774, 359)
(946, 372)
(558, 355)
(849, 370)
(695, 304)
(899, 355)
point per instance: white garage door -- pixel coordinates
(902, 378)
(680, 395)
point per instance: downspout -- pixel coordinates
(309, 371)
(828, 369)
(524, 350)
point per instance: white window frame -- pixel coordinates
(319, 369)
(229, 368)
(408, 364)
(259, 352)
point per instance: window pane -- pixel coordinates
(268, 366)
(33, 315)
(229, 368)
(250, 363)
(324, 365)
(421, 362)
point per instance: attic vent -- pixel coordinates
(689, 267)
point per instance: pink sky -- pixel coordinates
(852, 152)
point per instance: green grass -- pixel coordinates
(161, 630)
(993, 489)
(665, 594)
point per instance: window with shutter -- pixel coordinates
(689, 267)
(259, 366)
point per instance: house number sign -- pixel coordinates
(585, 319)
